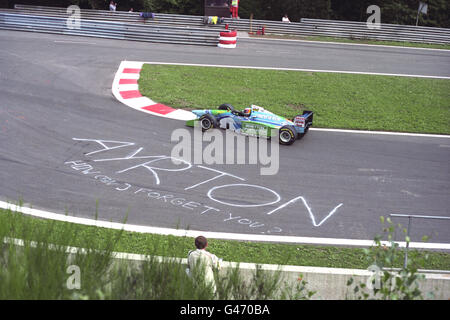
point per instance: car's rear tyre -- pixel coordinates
(287, 135)
(226, 106)
(207, 122)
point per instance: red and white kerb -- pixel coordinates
(126, 89)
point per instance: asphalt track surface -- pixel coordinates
(55, 100)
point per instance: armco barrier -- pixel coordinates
(345, 29)
(307, 27)
(228, 39)
(120, 16)
(389, 32)
(109, 29)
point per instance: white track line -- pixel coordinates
(213, 235)
(73, 42)
(384, 133)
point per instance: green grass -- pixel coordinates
(348, 101)
(237, 251)
(358, 41)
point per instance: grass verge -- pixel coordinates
(237, 251)
(358, 41)
(347, 101)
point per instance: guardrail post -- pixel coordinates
(405, 263)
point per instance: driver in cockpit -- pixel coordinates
(247, 112)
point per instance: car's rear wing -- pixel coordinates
(309, 115)
(305, 120)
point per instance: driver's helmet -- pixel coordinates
(247, 111)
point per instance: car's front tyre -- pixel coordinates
(207, 122)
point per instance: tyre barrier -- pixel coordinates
(228, 39)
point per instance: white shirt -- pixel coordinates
(201, 257)
(285, 19)
(112, 7)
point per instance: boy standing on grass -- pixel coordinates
(203, 261)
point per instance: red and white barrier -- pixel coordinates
(228, 39)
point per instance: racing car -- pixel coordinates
(254, 121)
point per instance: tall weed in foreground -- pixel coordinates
(386, 283)
(241, 284)
(154, 279)
(35, 263)
(168, 280)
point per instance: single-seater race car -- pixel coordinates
(254, 121)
